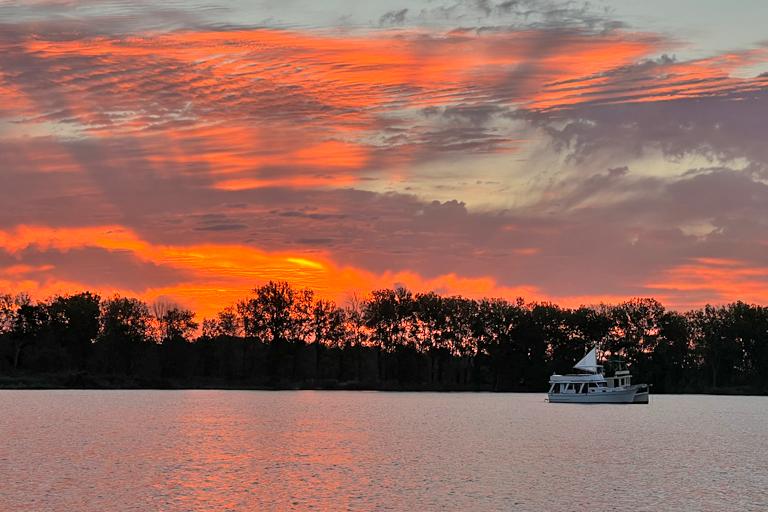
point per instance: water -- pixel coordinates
(250, 450)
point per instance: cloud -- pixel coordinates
(518, 15)
(715, 281)
(92, 267)
(612, 236)
(209, 159)
(207, 276)
(393, 17)
(242, 101)
(725, 126)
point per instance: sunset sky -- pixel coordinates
(556, 150)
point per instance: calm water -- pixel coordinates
(250, 450)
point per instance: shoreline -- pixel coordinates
(82, 381)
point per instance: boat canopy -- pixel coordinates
(581, 377)
(588, 363)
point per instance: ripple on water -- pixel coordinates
(251, 450)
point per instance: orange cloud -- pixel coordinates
(225, 273)
(306, 109)
(243, 102)
(713, 280)
(380, 70)
(663, 81)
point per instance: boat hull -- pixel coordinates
(632, 395)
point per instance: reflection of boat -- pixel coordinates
(593, 387)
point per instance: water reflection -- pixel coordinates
(228, 450)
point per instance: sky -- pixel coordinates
(565, 151)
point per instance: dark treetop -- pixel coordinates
(283, 337)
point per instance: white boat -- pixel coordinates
(593, 387)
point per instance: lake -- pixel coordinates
(254, 450)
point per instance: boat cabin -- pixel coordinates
(576, 387)
(619, 379)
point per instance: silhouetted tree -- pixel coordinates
(126, 329)
(226, 323)
(176, 324)
(283, 336)
(8, 310)
(672, 359)
(389, 314)
(75, 325)
(281, 316)
(30, 325)
(461, 314)
(430, 324)
(277, 312)
(493, 329)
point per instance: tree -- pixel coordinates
(8, 308)
(126, 329)
(577, 332)
(635, 331)
(540, 323)
(29, 326)
(461, 314)
(493, 328)
(226, 323)
(356, 334)
(281, 316)
(329, 324)
(389, 314)
(175, 327)
(430, 328)
(672, 359)
(718, 353)
(745, 330)
(176, 324)
(277, 312)
(281, 336)
(356, 328)
(75, 325)
(328, 329)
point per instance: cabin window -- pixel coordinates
(584, 388)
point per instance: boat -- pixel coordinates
(592, 386)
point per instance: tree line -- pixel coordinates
(285, 337)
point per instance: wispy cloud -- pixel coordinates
(215, 156)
